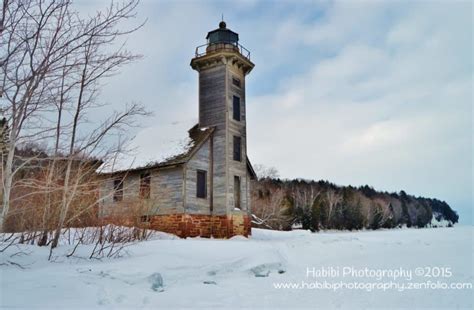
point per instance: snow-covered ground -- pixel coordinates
(244, 273)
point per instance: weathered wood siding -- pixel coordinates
(131, 185)
(237, 128)
(213, 112)
(216, 92)
(199, 161)
(166, 193)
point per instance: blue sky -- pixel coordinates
(355, 92)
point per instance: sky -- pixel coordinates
(354, 92)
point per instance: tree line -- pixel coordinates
(315, 205)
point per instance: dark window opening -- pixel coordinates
(237, 148)
(236, 108)
(237, 192)
(145, 182)
(201, 184)
(236, 81)
(118, 189)
(145, 219)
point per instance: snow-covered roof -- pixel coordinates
(161, 146)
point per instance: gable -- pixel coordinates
(197, 136)
(250, 170)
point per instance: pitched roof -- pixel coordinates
(253, 174)
(197, 136)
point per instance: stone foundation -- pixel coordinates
(194, 225)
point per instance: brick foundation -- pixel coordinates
(194, 225)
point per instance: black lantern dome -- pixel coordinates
(222, 35)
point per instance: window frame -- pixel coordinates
(201, 191)
(237, 148)
(236, 103)
(236, 82)
(145, 219)
(237, 192)
(145, 185)
(118, 189)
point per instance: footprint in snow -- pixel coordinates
(263, 270)
(120, 298)
(211, 273)
(102, 297)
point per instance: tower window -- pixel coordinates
(118, 189)
(237, 148)
(236, 108)
(236, 81)
(145, 180)
(237, 192)
(201, 184)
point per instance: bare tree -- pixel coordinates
(53, 61)
(269, 211)
(303, 199)
(333, 198)
(380, 212)
(264, 172)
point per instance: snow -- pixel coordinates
(168, 273)
(438, 220)
(154, 144)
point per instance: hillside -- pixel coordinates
(285, 204)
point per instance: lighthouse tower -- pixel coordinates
(223, 64)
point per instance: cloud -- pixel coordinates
(392, 110)
(367, 92)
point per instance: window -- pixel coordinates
(237, 192)
(201, 184)
(145, 180)
(236, 108)
(236, 81)
(118, 189)
(145, 219)
(237, 148)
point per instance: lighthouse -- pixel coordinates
(223, 64)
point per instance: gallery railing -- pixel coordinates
(214, 47)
